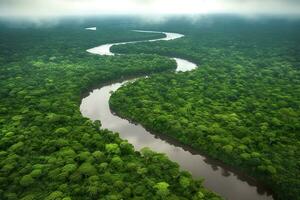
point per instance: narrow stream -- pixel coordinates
(218, 177)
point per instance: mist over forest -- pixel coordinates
(150, 99)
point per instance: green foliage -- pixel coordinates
(69, 168)
(117, 162)
(87, 169)
(199, 195)
(47, 149)
(241, 106)
(162, 188)
(184, 182)
(98, 155)
(112, 148)
(36, 173)
(26, 180)
(147, 152)
(57, 195)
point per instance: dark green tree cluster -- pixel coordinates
(47, 149)
(241, 106)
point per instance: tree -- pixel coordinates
(26, 180)
(184, 182)
(99, 156)
(87, 169)
(55, 195)
(117, 162)
(36, 173)
(162, 188)
(112, 148)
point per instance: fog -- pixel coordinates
(56, 8)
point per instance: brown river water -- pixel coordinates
(218, 177)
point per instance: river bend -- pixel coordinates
(218, 177)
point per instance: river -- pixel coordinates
(223, 180)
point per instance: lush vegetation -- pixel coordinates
(241, 106)
(47, 149)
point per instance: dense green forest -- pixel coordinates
(47, 149)
(241, 106)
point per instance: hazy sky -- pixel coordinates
(44, 8)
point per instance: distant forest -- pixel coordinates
(47, 149)
(242, 104)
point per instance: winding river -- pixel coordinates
(219, 178)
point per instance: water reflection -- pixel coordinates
(218, 177)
